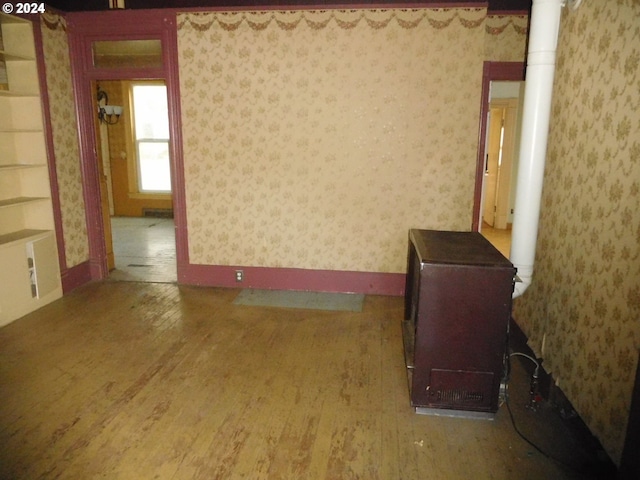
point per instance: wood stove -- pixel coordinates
(457, 310)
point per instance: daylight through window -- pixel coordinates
(151, 134)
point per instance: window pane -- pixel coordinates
(151, 112)
(155, 173)
(127, 53)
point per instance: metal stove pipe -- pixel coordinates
(541, 58)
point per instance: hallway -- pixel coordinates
(144, 249)
(501, 239)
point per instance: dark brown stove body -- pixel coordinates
(457, 309)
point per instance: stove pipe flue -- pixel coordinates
(541, 59)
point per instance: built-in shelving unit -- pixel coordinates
(29, 270)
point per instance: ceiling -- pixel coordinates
(93, 5)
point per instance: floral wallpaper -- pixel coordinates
(316, 139)
(65, 138)
(506, 38)
(585, 297)
(339, 95)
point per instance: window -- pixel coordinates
(127, 53)
(151, 137)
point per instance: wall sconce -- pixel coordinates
(108, 114)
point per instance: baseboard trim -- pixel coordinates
(369, 283)
(518, 342)
(630, 461)
(75, 276)
(603, 467)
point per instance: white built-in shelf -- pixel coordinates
(20, 130)
(13, 202)
(29, 265)
(22, 236)
(12, 57)
(13, 93)
(20, 166)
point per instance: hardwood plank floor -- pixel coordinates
(499, 238)
(157, 381)
(144, 249)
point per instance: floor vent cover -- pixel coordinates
(457, 388)
(157, 212)
(458, 396)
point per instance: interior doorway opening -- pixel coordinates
(144, 249)
(500, 155)
(135, 184)
(122, 45)
(494, 73)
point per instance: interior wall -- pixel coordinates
(584, 302)
(65, 138)
(368, 130)
(316, 139)
(505, 39)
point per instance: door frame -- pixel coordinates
(491, 71)
(503, 197)
(490, 186)
(83, 29)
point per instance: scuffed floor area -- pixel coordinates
(144, 249)
(129, 380)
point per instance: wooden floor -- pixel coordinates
(154, 381)
(144, 249)
(501, 239)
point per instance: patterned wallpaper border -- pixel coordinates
(286, 20)
(345, 19)
(497, 24)
(54, 22)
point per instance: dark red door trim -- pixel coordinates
(84, 28)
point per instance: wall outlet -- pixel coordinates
(239, 275)
(502, 395)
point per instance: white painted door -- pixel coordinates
(492, 165)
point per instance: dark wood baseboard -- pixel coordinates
(75, 276)
(368, 283)
(602, 466)
(630, 461)
(518, 343)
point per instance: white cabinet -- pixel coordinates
(29, 271)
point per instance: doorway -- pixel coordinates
(144, 249)
(496, 171)
(123, 45)
(500, 164)
(136, 182)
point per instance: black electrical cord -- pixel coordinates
(521, 435)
